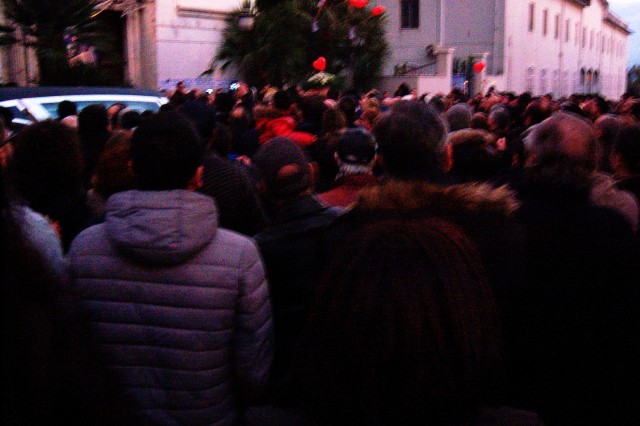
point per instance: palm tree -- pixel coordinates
(288, 35)
(633, 80)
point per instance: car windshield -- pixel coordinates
(139, 106)
(18, 113)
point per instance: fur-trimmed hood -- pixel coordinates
(456, 200)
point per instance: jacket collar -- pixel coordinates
(297, 208)
(414, 195)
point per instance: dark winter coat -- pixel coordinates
(571, 326)
(294, 251)
(235, 194)
(482, 212)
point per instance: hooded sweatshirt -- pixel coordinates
(179, 306)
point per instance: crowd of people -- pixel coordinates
(280, 257)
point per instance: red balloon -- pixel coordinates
(479, 66)
(378, 10)
(358, 4)
(320, 64)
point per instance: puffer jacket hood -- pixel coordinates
(150, 227)
(406, 196)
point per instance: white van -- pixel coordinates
(31, 104)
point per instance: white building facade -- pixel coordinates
(541, 46)
(164, 41)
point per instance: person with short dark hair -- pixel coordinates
(458, 117)
(312, 108)
(113, 110)
(474, 157)
(230, 184)
(499, 119)
(179, 96)
(113, 174)
(7, 118)
(65, 109)
(348, 104)
(404, 329)
(50, 369)
(94, 129)
(246, 138)
(5, 146)
(596, 107)
(179, 306)
(128, 119)
(571, 322)
(292, 245)
(46, 171)
(223, 103)
(625, 160)
(283, 124)
(412, 140)
(480, 121)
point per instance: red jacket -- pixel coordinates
(347, 189)
(270, 128)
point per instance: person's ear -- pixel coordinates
(531, 160)
(447, 165)
(262, 188)
(196, 180)
(615, 161)
(314, 172)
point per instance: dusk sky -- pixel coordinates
(629, 11)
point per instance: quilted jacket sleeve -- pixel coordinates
(254, 329)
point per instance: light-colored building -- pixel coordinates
(541, 46)
(164, 41)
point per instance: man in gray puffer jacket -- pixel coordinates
(179, 306)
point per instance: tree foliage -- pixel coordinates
(633, 80)
(285, 41)
(43, 24)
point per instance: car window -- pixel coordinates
(18, 113)
(52, 107)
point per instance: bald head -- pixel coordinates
(564, 135)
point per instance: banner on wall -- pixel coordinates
(210, 6)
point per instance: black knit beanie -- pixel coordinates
(272, 157)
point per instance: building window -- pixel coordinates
(545, 21)
(584, 37)
(410, 13)
(556, 83)
(543, 81)
(532, 16)
(591, 40)
(530, 79)
(567, 28)
(556, 27)
(577, 33)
